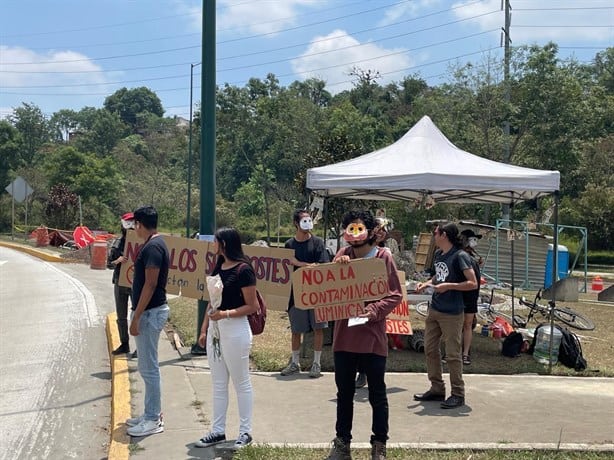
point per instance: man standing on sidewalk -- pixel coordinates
(453, 275)
(308, 249)
(121, 293)
(150, 312)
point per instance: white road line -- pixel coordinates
(89, 303)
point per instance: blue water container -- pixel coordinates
(562, 262)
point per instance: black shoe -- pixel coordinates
(134, 355)
(123, 348)
(452, 402)
(429, 396)
(361, 380)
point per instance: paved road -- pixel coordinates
(54, 364)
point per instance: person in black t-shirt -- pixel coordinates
(308, 249)
(227, 335)
(470, 298)
(150, 312)
(453, 275)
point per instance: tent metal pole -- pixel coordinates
(555, 272)
(512, 238)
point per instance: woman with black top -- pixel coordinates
(235, 337)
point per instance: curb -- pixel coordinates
(34, 252)
(120, 395)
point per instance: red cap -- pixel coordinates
(128, 216)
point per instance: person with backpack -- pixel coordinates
(454, 274)
(229, 327)
(363, 346)
(121, 293)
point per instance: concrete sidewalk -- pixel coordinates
(502, 412)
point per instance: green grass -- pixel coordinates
(284, 453)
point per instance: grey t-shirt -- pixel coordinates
(449, 269)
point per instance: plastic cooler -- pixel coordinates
(562, 262)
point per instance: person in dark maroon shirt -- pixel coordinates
(363, 347)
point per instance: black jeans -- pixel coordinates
(122, 294)
(374, 366)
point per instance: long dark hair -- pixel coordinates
(230, 241)
(451, 231)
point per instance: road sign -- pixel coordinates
(19, 189)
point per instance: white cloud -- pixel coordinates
(29, 76)
(331, 58)
(261, 17)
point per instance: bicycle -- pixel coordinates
(566, 315)
(486, 311)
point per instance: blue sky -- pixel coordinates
(69, 54)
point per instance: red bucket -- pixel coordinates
(99, 255)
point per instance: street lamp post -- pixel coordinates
(187, 225)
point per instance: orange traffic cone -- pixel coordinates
(597, 283)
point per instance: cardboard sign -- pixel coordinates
(337, 291)
(397, 322)
(191, 260)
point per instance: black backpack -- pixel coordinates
(570, 350)
(512, 345)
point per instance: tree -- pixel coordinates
(129, 103)
(98, 131)
(62, 124)
(10, 148)
(34, 128)
(96, 180)
(62, 207)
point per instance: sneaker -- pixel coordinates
(429, 396)
(466, 360)
(123, 348)
(146, 427)
(134, 355)
(316, 371)
(292, 368)
(243, 440)
(361, 380)
(136, 420)
(453, 402)
(378, 450)
(210, 439)
(340, 450)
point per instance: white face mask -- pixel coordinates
(306, 223)
(473, 242)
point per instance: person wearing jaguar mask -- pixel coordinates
(308, 249)
(361, 344)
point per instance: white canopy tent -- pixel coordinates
(425, 163)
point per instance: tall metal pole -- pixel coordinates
(188, 217)
(207, 146)
(506, 82)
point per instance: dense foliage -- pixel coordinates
(114, 158)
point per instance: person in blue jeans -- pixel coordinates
(150, 312)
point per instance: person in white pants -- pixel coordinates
(228, 338)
